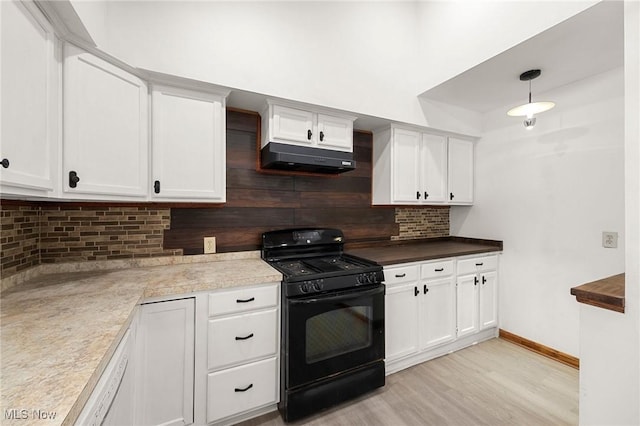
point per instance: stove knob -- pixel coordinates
(360, 279)
(316, 286)
(321, 284)
(304, 287)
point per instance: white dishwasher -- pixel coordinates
(111, 402)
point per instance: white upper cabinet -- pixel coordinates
(304, 126)
(188, 145)
(460, 171)
(30, 88)
(414, 167)
(105, 130)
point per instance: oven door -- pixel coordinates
(331, 333)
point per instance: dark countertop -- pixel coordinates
(404, 251)
(607, 293)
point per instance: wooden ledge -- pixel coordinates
(607, 293)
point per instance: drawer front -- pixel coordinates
(441, 268)
(400, 274)
(240, 338)
(240, 389)
(477, 264)
(243, 299)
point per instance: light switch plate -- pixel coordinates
(610, 239)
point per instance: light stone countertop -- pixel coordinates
(59, 330)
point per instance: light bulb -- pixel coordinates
(529, 123)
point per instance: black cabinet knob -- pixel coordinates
(321, 136)
(416, 291)
(417, 195)
(425, 289)
(309, 134)
(156, 187)
(484, 280)
(451, 195)
(73, 179)
(426, 195)
(475, 280)
(5, 163)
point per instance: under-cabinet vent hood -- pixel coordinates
(302, 158)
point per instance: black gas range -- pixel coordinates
(332, 335)
(312, 261)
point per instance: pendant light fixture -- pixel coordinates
(531, 108)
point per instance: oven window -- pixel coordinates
(338, 332)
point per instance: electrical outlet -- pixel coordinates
(209, 245)
(610, 239)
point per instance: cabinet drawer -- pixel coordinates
(437, 269)
(241, 338)
(401, 274)
(243, 299)
(477, 264)
(225, 396)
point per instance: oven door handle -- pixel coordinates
(340, 296)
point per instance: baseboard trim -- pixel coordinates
(556, 355)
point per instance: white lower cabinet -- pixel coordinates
(236, 390)
(243, 335)
(165, 348)
(436, 307)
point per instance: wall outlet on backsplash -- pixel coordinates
(209, 245)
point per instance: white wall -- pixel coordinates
(609, 341)
(367, 57)
(548, 193)
(457, 35)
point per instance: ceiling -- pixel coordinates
(587, 44)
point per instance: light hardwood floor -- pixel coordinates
(492, 383)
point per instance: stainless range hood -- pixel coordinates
(302, 158)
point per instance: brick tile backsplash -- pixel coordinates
(422, 222)
(53, 233)
(56, 233)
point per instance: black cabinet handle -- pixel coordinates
(480, 264)
(5, 163)
(417, 195)
(439, 269)
(309, 134)
(451, 195)
(245, 337)
(426, 195)
(425, 289)
(245, 300)
(156, 187)
(475, 280)
(401, 275)
(484, 280)
(243, 389)
(73, 179)
(321, 136)
(416, 291)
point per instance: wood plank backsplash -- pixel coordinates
(259, 201)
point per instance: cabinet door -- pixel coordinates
(29, 87)
(188, 148)
(433, 167)
(165, 363)
(467, 305)
(105, 129)
(405, 160)
(488, 300)
(335, 133)
(401, 321)
(437, 312)
(460, 171)
(292, 125)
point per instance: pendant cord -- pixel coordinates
(529, 91)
